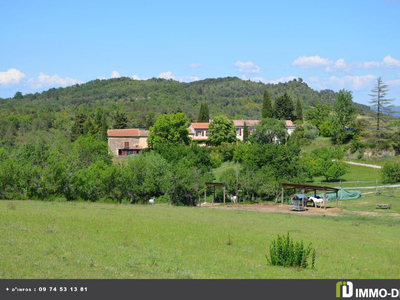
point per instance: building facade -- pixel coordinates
(124, 142)
(199, 131)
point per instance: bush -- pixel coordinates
(283, 252)
(390, 172)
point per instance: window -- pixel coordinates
(198, 132)
(237, 131)
(126, 144)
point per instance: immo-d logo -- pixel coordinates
(346, 289)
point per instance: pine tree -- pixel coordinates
(245, 132)
(266, 106)
(120, 120)
(379, 101)
(89, 127)
(78, 127)
(284, 107)
(299, 111)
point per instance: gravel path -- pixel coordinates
(364, 165)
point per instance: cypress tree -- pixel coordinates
(266, 106)
(299, 111)
(78, 127)
(203, 114)
(104, 128)
(245, 132)
(284, 107)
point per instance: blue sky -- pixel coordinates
(329, 44)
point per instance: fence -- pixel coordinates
(350, 184)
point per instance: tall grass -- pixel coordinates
(94, 240)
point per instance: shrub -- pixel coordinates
(283, 252)
(390, 172)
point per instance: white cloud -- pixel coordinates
(166, 75)
(194, 65)
(135, 77)
(12, 76)
(355, 82)
(282, 79)
(391, 62)
(340, 65)
(44, 80)
(387, 62)
(309, 62)
(115, 74)
(247, 67)
(393, 82)
(273, 81)
(313, 79)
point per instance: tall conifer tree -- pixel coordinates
(379, 101)
(245, 132)
(299, 111)
(266, 106)
(284, 108)
(203, 114)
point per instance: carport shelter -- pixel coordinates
(307, 188)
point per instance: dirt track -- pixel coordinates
(278, 208)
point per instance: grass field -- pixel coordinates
(92, 240)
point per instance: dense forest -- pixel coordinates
(143, 100)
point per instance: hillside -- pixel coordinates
(143, 99)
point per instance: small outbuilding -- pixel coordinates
(304, 188)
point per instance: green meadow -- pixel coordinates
(96, 240)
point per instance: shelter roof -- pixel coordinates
(309, 187)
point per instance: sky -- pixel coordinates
(329, 44)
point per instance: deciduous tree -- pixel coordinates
(169, 129)
(221, 129)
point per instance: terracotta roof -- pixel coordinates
(144, 132)
(289, 123)
(132, 132)
(200, 125)
(248, 122)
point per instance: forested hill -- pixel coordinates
(141, 99)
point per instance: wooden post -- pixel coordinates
(214, 195)
(237, 181)
(324, 198)
(337, 201)
(224, 194)
(205, 194)
(282, 195)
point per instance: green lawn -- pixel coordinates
(93, 240)
(317, 143)
(223, 167)
(356, 173)
(368, 200)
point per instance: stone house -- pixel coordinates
(124, 142)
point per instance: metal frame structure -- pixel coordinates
(214, 184)
(306, 188)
